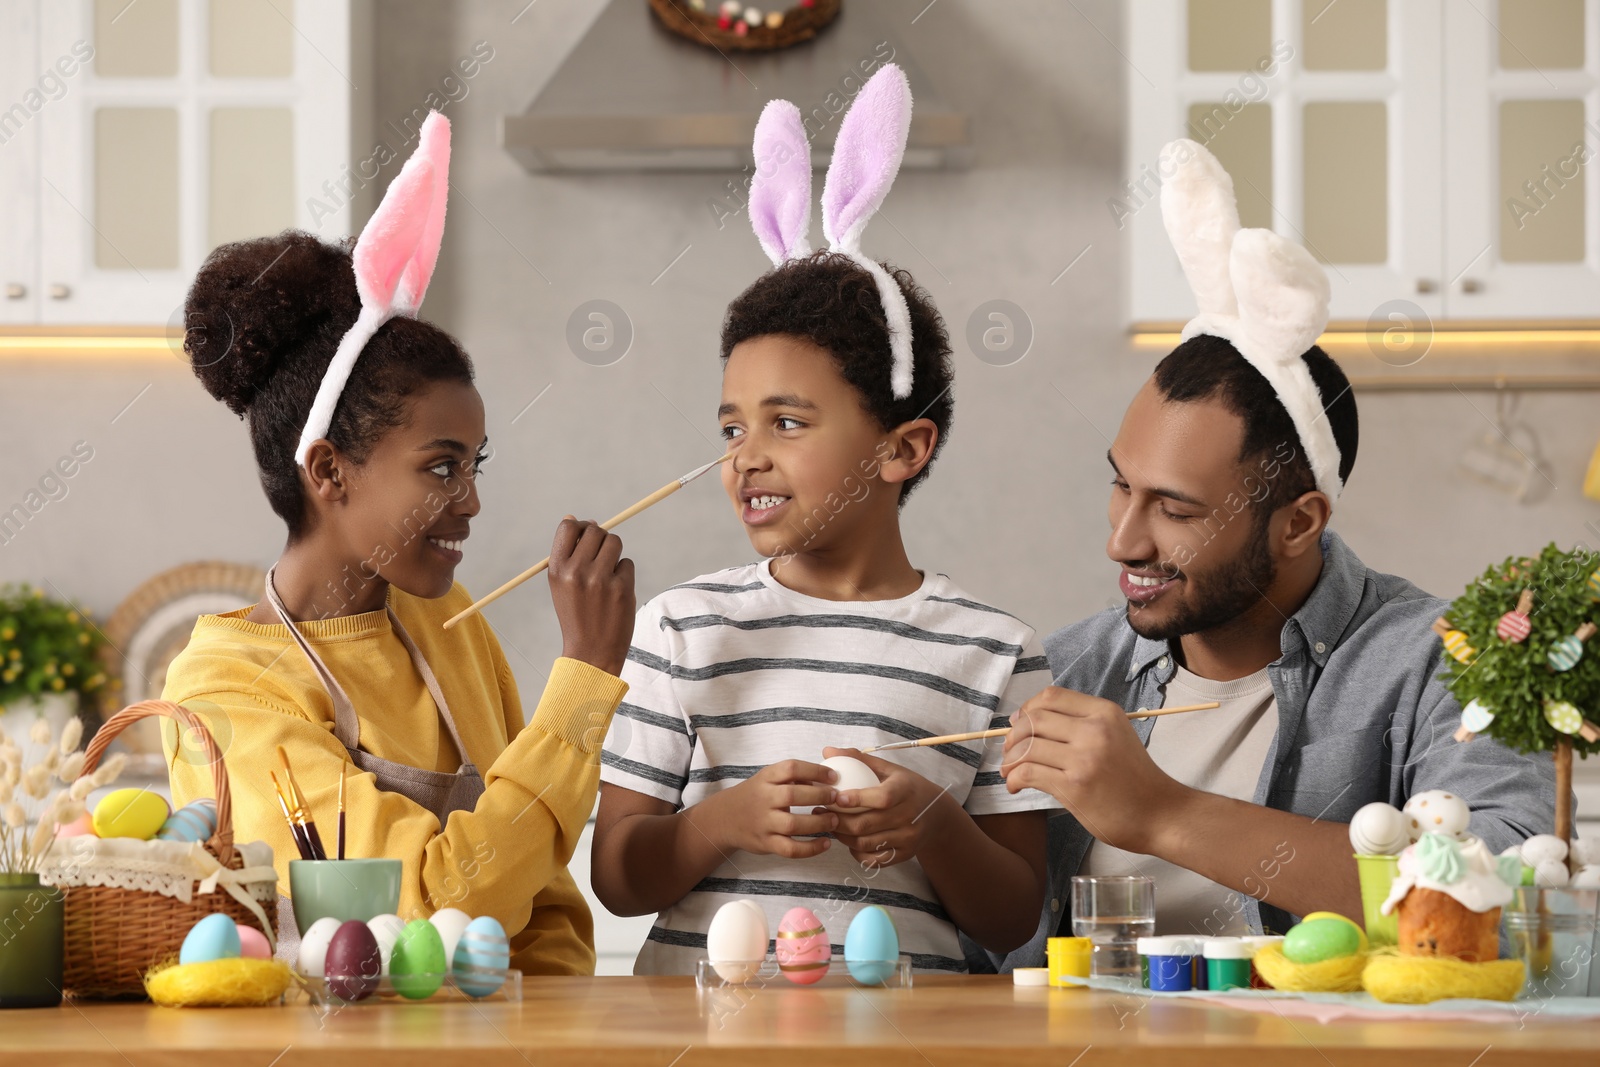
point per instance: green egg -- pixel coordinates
(1321, 939)
(417, 966)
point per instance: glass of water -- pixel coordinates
(1113, 912)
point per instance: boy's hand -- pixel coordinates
(591, 586)
(907, 812)
(754, 815)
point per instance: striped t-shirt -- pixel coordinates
(732, 672)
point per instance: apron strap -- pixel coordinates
(346, 724)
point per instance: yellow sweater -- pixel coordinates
(507, 857)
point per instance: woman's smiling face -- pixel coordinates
(406, 511)
(802, 443)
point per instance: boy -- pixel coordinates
(710, 787)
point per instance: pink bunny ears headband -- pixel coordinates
(394, 261)
(866, 158)
(1264, 294)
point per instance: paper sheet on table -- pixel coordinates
(1360, 1007)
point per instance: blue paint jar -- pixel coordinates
(1168, 962)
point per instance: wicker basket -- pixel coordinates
(114, 935)
(799, 25)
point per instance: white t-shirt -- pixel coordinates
(732, 672)
(1219, 751)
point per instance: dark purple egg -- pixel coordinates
(354, 963)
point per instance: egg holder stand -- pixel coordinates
(325, 1001)
(114, 934)
(766, 972)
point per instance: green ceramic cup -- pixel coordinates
(1377, 875)
(343, 889)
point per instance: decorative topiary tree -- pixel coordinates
(1519, 664)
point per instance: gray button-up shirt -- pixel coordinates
(1362, 716)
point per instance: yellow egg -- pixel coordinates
(1341, 918)
(136, 813)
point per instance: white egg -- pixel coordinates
(1587, 878)
(853, 774)
(1542, 848)
(736, 941)
(1437, 812)
(450, 922)
(1379, 829)
(1586, 851)
(1551, 874)
(386, 931)
(314, 946)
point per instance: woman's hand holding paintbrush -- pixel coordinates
(591, 586)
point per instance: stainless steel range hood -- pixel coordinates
(633, 96)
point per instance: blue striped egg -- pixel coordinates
(1565, 653)
(482, 951)
(192, 822)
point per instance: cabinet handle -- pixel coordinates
(1471, 285)
(16, 291)
(1426, 285)
(60, 292)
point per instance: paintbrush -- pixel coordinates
(339, 847)
(947, 739)
(302, 814)
(615, 520)
(294, 828)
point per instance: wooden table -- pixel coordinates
(600, 1022)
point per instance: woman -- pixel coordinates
(369, 436)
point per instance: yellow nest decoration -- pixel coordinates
(232, 983)
(1341, 974)
(1396, 979)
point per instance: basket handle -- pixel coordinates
(221, 842)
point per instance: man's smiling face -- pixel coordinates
(1186, 521)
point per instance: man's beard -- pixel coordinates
(1223, 597)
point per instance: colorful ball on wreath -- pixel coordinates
(1476, 716)
(1563, 716)
(1455, 643)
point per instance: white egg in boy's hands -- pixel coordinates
(1437, 812)
(853, 775)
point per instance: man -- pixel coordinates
(1224, 473)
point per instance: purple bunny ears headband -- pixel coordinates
(394, 260)
(866, 158)
(1265, 295)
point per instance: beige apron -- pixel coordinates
(436, 791)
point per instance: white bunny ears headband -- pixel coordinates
(1264, 294)
(394, 260)
(866, 158)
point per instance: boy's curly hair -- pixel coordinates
(829, 300)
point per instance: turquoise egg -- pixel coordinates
(213, 938)
(192, 822)
(1321, 939)
(871, 946)
(417, 966)
(482, 950)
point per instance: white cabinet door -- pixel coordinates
(1326, 116)
(22, 97)
(1522, 185)
(197, 122)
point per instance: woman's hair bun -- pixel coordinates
(256, 304)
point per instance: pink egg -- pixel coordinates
(253, 944)
(802, 947)
(82, 826)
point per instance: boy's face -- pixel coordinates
(806, 455)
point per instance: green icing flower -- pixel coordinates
(1440, 858)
